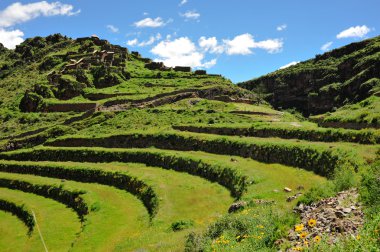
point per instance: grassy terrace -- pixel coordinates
(59, 233)
(166, 140)
(160, 162)
(177, 202)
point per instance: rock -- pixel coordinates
(237, 206)
(334, 219)
(287, 189)
(347, 210)
(340, 214)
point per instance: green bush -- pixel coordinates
(182, 225)
(370, 187)
(32, 102)
(254, 229)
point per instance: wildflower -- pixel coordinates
(312, 222)
(303, 235)
(260, 226)
(299, 228)
(306, 243)
(259, 237)
(317, 238)
(358, 237)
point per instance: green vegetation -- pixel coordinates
(343, 76)
(113, 156)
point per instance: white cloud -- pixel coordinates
(132, 42)
(151, 40)
(191, 15)
(354, 32)
(210, 45)
(183, 2)
(152, 23)
(326, 46)
(270, 45)
(180, 52)
(18, 13)
(281, 27)
(209, 64)
(145, 14)
(290, 64)
(112, 29)
(11, 38)
(242, 45)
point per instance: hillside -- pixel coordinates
(108, 151)
(341, 77)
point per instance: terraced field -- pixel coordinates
(163, 161)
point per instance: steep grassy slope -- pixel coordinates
(343, 76)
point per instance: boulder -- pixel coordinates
(237, 206)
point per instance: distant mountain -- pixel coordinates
(343, 76)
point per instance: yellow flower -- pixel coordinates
(312, 222)
(297, 249)
(358, 237)
(298, 228)
(317, 238)
(306, 243)
(303, 235)
(260, 226)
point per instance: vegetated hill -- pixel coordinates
(44, 74)
(60, 74)
(343, 76)
(126, 154)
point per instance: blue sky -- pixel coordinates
(240, 39)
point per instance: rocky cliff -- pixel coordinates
(342, 76)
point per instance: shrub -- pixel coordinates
(32, 102)
(49, 63)
(181, 225)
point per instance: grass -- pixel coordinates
(13, 233)
(189, 205)
(58, 224)
(182, 197)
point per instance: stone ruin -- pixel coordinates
(200, 72)
(110, 55)
(182, 69)
(157, 66)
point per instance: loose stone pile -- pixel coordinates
(329, 219)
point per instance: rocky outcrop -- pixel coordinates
(324, 83)
(332, 219)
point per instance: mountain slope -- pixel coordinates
(342, 76)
